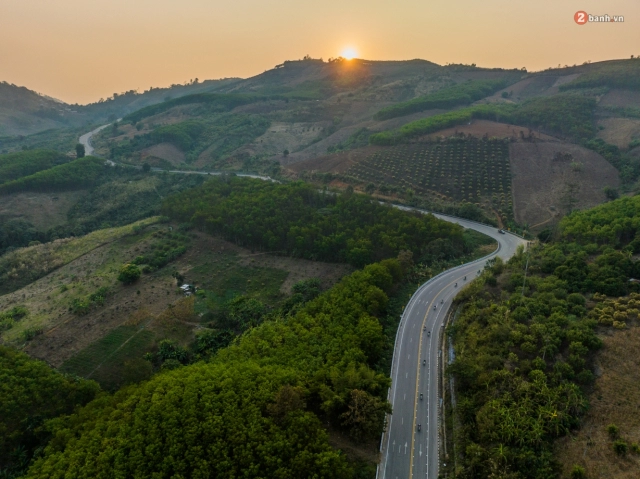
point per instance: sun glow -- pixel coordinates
(349, 53)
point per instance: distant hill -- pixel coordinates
(25, 112)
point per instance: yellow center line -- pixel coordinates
(415, 401)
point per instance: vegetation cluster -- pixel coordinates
(445, 98)
(219, 135)
(568, 114)
(298, 220)
(524, 350)
(32, 393)
(625, 75)
(25, 163)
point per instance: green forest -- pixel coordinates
(25, 163)
(526, 338)
(78, 173)
(460, 94)
(296, 219)
(112, 196)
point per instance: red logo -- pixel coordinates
(581, 17)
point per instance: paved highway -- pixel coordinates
(86, 140)
(408, 451)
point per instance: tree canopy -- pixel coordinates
(297, 219)
(524, 351)
(31, 393)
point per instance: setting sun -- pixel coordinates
(349, 53)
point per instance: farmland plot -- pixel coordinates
(470, 170)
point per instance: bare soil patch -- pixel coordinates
(44, 210)
(619, 131)
(545, 188)
(335, 163)
(621, 98)
(281, 136)
(162, 151)
(614, 400)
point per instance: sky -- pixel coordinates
(82, 50)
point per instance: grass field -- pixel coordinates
(25, 265)
(105, 360)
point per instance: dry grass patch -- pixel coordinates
(619, 131)
(545, 186)
(614, 400)
(25, 265)
(44, 210)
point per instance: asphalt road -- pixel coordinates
(407, 452)
(86, 140)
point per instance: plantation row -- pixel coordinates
(470, 170)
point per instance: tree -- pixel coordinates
(204, 420)
(611, 193)
(80, 152)
(285, 153)
(146, 167)
(30, 393)
(129, 273)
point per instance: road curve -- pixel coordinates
(86, 140)
(407, 452)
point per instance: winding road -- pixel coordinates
(410, 447)
(406, 450)
(89, 151)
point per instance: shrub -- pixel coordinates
(613, 431)
(620, 447)
(129, 273)
(578, 472)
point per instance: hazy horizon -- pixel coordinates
(78, 51)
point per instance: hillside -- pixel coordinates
(533, 348)
(23, 112)
(26, 112)
(309, 115)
